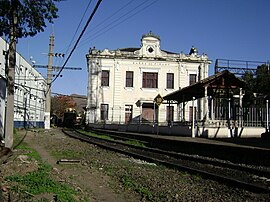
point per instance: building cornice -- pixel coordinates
(149, 50)
(118, 54)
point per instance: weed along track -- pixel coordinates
(238, 176)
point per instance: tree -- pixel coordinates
(256, 83)
(31, 14)
(248, 98)
(262, 80)
(21, 18)
(60, 104)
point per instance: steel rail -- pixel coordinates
(197, 158)
(165, 160)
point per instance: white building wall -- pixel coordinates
(30, 88)
(117, 95)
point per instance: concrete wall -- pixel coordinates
(207, 132)
(225, 132)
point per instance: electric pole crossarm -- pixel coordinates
(56, 67)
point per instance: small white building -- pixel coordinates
(124, 84)
(30, 89)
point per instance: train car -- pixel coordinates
(69, 119)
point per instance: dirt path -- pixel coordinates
(89, 181)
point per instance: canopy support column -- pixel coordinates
(240, 108)
(193, 119)
(206, 106)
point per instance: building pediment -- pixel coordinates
(150, 46)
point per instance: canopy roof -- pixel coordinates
(223, 80)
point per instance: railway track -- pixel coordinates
(246, 177)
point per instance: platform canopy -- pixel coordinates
(222, 81)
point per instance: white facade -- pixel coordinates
(30, 89)
(123, 83)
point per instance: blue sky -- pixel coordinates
(230, 29)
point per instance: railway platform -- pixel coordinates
(252, 151)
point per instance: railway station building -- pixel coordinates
(151, 90)
(126, 86)
(29, 92)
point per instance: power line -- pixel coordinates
(111, 25)
(106, 19)
(77, 28)
(95, 34)
(78, 40)
(28, 88)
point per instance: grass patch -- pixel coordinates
(106, 137)
(66, 154)
(129, 183)
(17, 137)
(40, 182)
(135, 143)
(33, 154)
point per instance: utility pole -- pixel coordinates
(50, 69)
(49, 81)
(10, 72)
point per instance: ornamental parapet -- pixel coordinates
(135, 55)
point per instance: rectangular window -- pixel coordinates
(150, 80)
(170, 80)
(105, 78)
(129, 79)
(169, 113)
(104, 110)
(192, 79)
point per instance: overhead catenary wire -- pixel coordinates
(109, 17)
(77, 29)
(28, 87)
(112, 25)
(150, 3)
(96, 34)
(77, 42)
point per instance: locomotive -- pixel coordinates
(72, 118)
(69, 119)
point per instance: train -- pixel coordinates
(70, 119)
